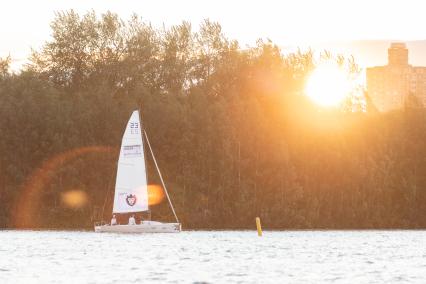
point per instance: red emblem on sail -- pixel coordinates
(131, 199)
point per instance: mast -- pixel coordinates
(141, 127)
(161, 177)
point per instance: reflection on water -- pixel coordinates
(212, 257)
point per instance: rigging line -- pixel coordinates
(161, 177)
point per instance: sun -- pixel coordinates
(328, 85)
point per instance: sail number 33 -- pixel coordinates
(134, 127)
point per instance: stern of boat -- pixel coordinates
(98, 226)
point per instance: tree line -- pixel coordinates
(232, 130)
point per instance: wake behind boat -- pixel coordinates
(131, 186)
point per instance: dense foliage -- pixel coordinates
(232, 131)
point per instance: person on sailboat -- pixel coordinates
(113, 220)
(132, 220)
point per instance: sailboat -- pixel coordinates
(131, 186)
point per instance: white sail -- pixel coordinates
(131, 193)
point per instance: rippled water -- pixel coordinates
(214, 257)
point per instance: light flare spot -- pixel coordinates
(74, 199)
(24, 211)
(155, 194)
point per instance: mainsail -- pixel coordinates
(131, 193)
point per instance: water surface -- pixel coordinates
(213, 257)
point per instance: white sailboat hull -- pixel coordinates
(144, 227)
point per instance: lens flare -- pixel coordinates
(24, 212)
(74, 199)
(155, 194)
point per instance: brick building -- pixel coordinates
(394, 85)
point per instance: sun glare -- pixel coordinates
(328, 85)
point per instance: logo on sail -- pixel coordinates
(132, 151)
(131, 199)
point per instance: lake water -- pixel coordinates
(213, 257)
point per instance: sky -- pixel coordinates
(25, 24)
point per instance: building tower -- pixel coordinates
(397, 84)
(398, 54)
